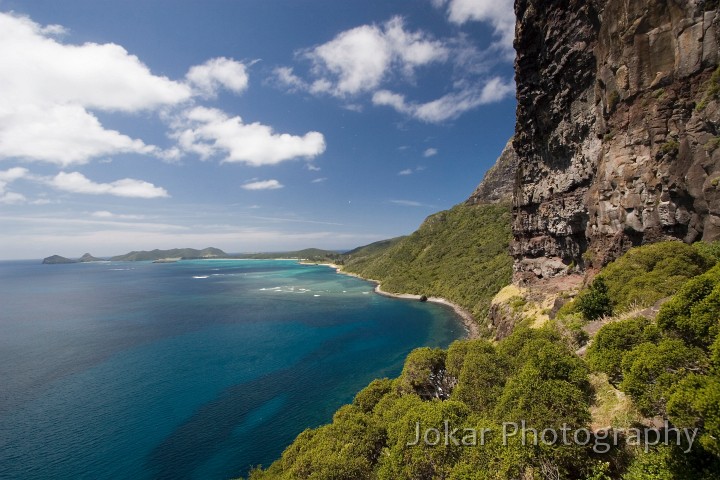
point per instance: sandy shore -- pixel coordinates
(471, 326)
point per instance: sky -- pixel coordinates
(246, 125)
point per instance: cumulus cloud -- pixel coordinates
(407, 171)
(430, 152)
(358, 60)
(218, 73)
(449, 106)
(263, 185)
(48, 90)
(499, 14)
(76, 182)
(366, 59)
(6, 178)
(208, 132)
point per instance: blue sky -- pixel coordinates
(248, 125)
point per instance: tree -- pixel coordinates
(424, 374)
(435, 454)
(595, 302)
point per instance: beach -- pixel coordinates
(471, 326)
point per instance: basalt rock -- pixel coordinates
(618, 129)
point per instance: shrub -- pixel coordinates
(613, 341)
(595, 302)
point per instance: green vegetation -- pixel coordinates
(187, 253)
(670, 147)
(595, 302)
(712, 90)
(310, 254)
(459, 254)
(361, 253)
(541, 382)
(667, 368)
(643, 276)
(613, 100)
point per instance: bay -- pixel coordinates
(195, 369)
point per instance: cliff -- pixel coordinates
(498, 182)
(617, 130)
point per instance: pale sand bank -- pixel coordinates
(468, 320)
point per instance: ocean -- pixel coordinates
(189, 370)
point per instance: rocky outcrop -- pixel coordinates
(499, 181)
(617, 133)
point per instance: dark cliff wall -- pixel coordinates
(617, 129)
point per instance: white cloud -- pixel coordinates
(60, 134)
(209, 77)
(449, 106)
(208, 132)
(358, 60)
(48, 89)
(407, 171)
(500, 14)
(107, 214)
(76, 182)
(12, 198)
(319, 180)
(6, 178)
(263, 185)
(286, 77)
(430, 152)
(407, 203)
(312, 168)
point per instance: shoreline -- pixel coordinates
(468, 321)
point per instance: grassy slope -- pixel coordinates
(460, 254)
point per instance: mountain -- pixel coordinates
(459, 254)
(370, 249)
(185, 253)
(498, 182)
(617, 129)
(57, 260)
(89, 258)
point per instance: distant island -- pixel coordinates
(58, 260)
(177, 254)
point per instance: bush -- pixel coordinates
(369, 396)
(694, 312)
(650, 371)
(614, 340)
(424, 374)
(595, 302)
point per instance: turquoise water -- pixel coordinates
(190, 370)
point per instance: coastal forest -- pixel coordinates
(646, 371)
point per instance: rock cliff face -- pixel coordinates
(499, 182)
(617, 133)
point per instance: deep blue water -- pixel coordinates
(191, 370)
